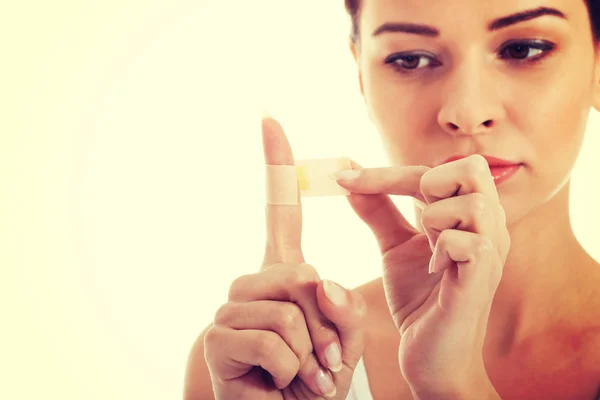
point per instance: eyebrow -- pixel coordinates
(499, 23)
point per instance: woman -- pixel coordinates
(482, 107)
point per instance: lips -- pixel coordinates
(501, 169)
(502, 174)
(492, 161)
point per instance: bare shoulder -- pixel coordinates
(589, 339)
(584, 342)
(586, 346)
(573, 346)
(589, 333)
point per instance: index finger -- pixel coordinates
(395, 180)
(284, 222)
(371, 201)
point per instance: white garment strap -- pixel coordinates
(359, 389)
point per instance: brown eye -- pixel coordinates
(411, 62)
(528, 51)
(519, 51)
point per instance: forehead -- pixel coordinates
(475, 14)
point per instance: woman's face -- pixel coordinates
(520, 91)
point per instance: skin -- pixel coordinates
(434, 114)
(475, 102)
(283, 319)
(472, 102)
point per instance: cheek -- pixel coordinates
(402, 114)
(554, 121)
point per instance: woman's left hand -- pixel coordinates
(442, 317)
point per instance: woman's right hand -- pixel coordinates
(284, 333)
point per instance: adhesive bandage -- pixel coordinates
(310, 177)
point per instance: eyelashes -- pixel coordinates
(541, 49)
(518, 52)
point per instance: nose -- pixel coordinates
(471, 104)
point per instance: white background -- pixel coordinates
(131, 178)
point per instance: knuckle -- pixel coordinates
(425, 179)
(290, 278)
(211, 342)
(477, 204)
(422, 171)
(291, 317)
(305, 352)
(237, 287)
(426, 217)
(483, 246)
(268, 343)
(443, 238)
(223, 314)
(292, 369)
(303, 273)
(476, 164)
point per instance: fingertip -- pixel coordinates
(266, 114)
(344, 307)
(325, 384)
(335, 293)
(333, 356)
(280, 383)
(355, 165)
(276, 146)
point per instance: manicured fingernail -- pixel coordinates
(325, 384)
(432, 264)
(334, 293)
(333, 356)
(346, 175)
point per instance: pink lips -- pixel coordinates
(501, 169)
(502, 174)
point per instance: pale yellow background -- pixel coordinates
(131, 184)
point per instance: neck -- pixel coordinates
(544, 276)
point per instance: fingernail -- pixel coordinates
(266, 114)
(432, 264)
(334, 293)
(346, 175)
(333, 356)
(325, 384)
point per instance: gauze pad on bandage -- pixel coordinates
(311, 177)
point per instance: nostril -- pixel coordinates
(452, 127)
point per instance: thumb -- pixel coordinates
(347, 310)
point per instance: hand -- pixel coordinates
(279, 332)
(442, 317)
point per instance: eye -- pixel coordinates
(409, 62)
(526, 51)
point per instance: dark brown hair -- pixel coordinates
(593, 6)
